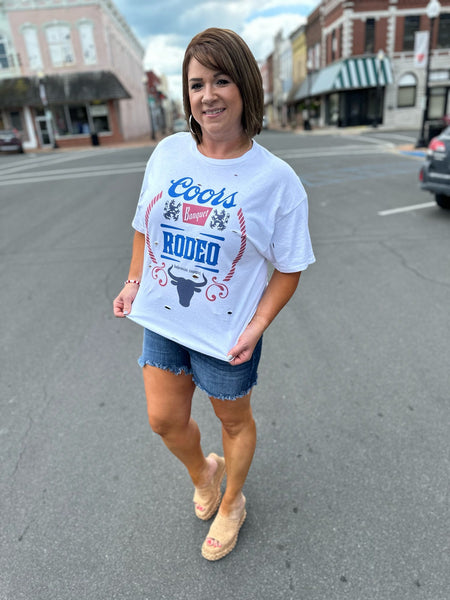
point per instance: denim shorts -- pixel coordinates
(216, 377)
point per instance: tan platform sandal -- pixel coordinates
(224, 530)
(209, 497)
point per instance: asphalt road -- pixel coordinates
(348, 495)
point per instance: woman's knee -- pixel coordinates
(159, 424)
(236, 422)
(169, 399)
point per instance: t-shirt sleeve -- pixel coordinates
(290, 247)
(138, 222)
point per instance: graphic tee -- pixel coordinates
(211, 227)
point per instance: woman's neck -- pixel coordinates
(224, 149)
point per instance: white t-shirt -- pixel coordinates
(211, 228)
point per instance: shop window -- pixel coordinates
(333, 109)
(60, 120)
(369, 41)
(406, 93)
(60, 45)
(411, 25)
(32, 46)
(86, 30)
(80, 119)
(71, 120)
(16, 120)
(99, 116)
(436, 106)
(444, 31)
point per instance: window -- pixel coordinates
(99, 114)
(333, 45)
(86, 30)
(32, 46)
(406, 93)
(369, 42)
(4, 63)
(60, 45)
(81, 119)
(412, 24)
(16, 120)
(436, 106)
(444, 31)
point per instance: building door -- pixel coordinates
(361, 107)
(45, 131)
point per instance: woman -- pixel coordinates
(214, 209)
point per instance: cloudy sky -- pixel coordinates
(165, 27)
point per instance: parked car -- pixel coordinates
(179, 125)
(10, 141)
(434, 176)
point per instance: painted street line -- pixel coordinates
(76, 174)
(393, 211)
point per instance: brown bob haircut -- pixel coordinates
(225, 51)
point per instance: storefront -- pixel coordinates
(63, 110)
(350, 92)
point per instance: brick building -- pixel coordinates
(362, 66)
(71, 73)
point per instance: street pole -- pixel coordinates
(433, 10)
(377, 119)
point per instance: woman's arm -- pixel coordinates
(280, 289)
(122, 304)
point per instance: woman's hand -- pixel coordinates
(277, 294)
(122, 304)
(243, 350)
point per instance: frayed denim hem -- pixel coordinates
(226, 396)
(177, 371)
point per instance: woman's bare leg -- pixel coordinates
(239, 441)
(169, 401)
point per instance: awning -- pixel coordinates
(62, 89)
(348, 74)
(363, 73)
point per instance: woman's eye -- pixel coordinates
(222, 81)
(196, 86)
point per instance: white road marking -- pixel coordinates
(76, 174)
(393, 211)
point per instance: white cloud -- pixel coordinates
(165, 39)
(259, 33)
(164, 54)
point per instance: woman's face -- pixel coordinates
(216, 102)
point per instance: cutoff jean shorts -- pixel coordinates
(216, 377)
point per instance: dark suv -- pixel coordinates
(434, 176)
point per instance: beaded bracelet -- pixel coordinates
(132, 281)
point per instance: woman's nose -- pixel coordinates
(208, 93)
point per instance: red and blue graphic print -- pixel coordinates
(188, 205)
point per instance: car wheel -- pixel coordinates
(442, 200)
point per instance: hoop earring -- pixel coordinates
(190, 125)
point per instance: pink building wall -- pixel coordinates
(116, 50)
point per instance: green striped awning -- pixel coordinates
(347, 74)
(363, 72)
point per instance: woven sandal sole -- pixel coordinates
(224, 550)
